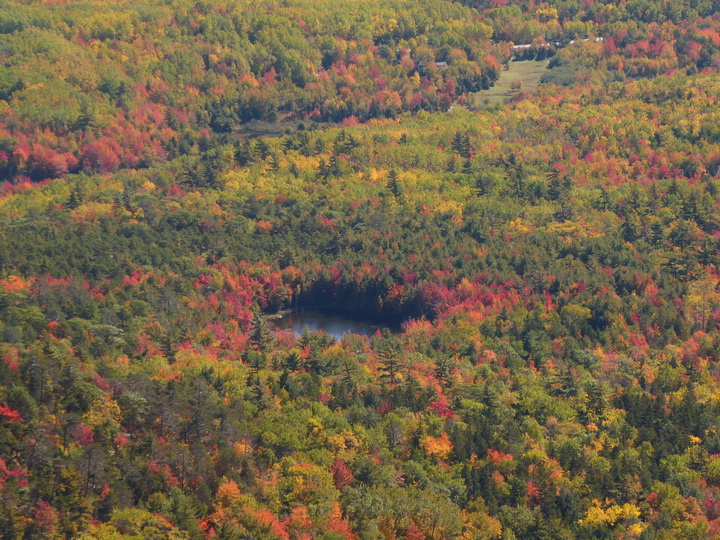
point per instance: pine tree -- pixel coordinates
(334, 166)
(304, 144)
(85, 118)
(392, 185)
(565, 383)
(515, 175)
(465, 148)
(461, 145)
(294, 170)
(442, 370)
(288, 144)
(482, 185)
(604, 202)
(293, 362)
(207, 177)
(76, 196)
(457, 142)
(629, 228)
(389, 355)
(467, 167)
(126, 199)
(262, 149)
(273, 163)
(171, 120)
(348, 374)
(169, 347)
(554, 188)
(657, 234)
(323, 168)
(227, 531)
(595, 397)
(261, 337)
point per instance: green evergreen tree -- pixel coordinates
(392, 185)
(261, 337)
(243, 154)
(467, 167)
(262, 149)
(76, 196)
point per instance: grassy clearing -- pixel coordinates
(522, 76)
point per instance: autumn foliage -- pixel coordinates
(543, 274)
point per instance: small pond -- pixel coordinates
(335, 325)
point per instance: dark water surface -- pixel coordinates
(335, 325)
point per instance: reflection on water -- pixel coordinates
(335, 325)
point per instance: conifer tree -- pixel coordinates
(392, 185)
(467, 167)
(262, 149)
(261, 337)
(76, 196)
(243, 154)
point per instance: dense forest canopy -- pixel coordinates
(552, 263)
(99, 87)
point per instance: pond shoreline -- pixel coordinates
(332, 310)
(334, 324)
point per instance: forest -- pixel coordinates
(174, 174)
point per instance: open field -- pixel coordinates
(527, 72)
